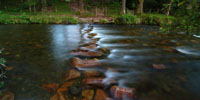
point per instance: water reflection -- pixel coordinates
(64, 38)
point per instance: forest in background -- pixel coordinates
(169, 14)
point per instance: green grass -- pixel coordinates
(37, 19)
(147, 19)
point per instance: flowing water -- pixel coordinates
(39, 54)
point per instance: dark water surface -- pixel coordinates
(40, 54)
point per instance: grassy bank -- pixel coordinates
(36, 19)
(62, 18)
(147, 19)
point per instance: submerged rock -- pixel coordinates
(72, 74)
(79, 63)
(75, 90)
(59, 96)
(122, 93)
(159, 66)
(88, 94)
(65, 86)
(50, 87)
(7, 96)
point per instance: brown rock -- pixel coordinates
(50, 87)
(91, 73)
(101, 95)
(59, 96)
(92, 46)
(76, 62)
(91, 35)
(159, 66)
(93, 81)
(88, 94)
(65, 86)
(121, 93)
(72, 74)
(7, 96)
(87, 54)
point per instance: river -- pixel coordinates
(39, 54)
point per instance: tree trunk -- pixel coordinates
(56, 9)
(169, 9)
(140, 7)
(105, 11)
(34, 9)
(44, 5)
(81, 5)
(123, 9)
(30, 9)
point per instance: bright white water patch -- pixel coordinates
(197, 36)
(188, 51)
(127, 50)
(135, 58)
(114, 45)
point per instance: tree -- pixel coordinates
(123, 9)
(81, 6)
(139, 7)
(31, 3)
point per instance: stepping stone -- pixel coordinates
(101, 95)
(87, 53)
(122, 93)
(79, 63)
(72, 74)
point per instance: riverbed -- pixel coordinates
(40, 54)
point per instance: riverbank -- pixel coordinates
(24, 18)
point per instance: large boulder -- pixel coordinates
(122, 93)
(79, 63)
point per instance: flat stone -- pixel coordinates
(89, 47)
(65, 86)
(59, 96)
(101, 95)
(91, 73)
(87, 54)
(50, 87)
(122, 93)
(79, 63)
(88, 94)
(72, 74)
(93, 81)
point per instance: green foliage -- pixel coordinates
(103, 21)
(157, 19)
(2, 61)
(127, 19)
(36, 19)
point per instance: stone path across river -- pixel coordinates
(83, 81)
